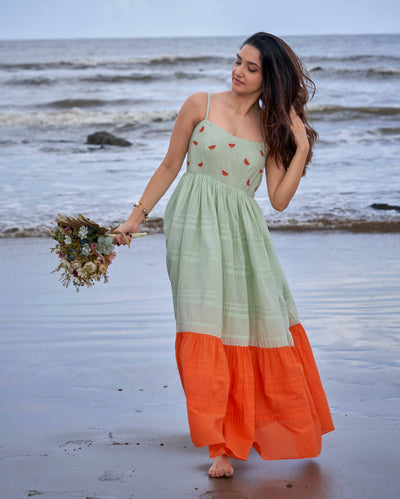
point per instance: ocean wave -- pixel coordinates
(159, 60)
(143, 77)
(43, 66)
(389, 130)
(353, 112)
(73, 112)
(156, 225)
(118, 78)
(30, 81)
(392, 59)
(82, 103)
(77, 116)
(357, 73)
(166, 59)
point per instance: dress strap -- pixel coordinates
(208, 106)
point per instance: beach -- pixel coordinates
(91, 401)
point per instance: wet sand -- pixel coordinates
(91, 403)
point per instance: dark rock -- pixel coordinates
(105, 138)
(384, 206)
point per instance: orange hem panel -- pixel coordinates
(240, 397)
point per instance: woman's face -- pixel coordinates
(247, 72)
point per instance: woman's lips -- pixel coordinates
(238, 82)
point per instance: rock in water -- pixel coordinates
(385, 206)
(105, 138)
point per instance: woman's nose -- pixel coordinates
(239, 69)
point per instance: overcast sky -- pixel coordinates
(140, 18)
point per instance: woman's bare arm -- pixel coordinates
(282, 184)
(191, 113)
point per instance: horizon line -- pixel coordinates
(187, 36)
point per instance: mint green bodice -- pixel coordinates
(228, 159)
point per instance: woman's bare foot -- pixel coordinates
(221, 467)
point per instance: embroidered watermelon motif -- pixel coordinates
(212, 147)
(201, 129)
(200, 164)
(195, 142)
(225, 173)
(246, 162)
(232, 145)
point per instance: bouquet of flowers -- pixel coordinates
(85, 250)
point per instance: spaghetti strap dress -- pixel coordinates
(244, 360)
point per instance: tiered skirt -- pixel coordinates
(239, 397)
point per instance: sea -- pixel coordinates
(54, 93)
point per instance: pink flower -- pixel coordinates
(112, 255)
(93, 246)
(66, 230)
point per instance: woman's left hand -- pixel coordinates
(299, 130)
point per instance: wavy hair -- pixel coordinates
(286, 84)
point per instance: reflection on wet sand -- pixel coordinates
(89, 384)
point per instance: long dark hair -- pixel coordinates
(286, 84)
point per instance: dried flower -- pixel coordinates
(105, 245)
(83, 232)
(85, 250)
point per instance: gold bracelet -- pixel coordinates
(144, 211)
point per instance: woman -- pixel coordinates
(245, 363)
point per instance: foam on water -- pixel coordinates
(78, 116)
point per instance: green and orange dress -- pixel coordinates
(245, 363)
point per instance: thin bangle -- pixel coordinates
(144, 211)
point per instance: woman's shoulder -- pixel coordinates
(200, 99)
(195, 106)
(197, 99)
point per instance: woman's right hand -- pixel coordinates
(126, 228)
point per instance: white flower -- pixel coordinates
(83, 232)
(67, 239)
(85, 249)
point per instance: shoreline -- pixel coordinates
(156, 226)
(91, 399)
